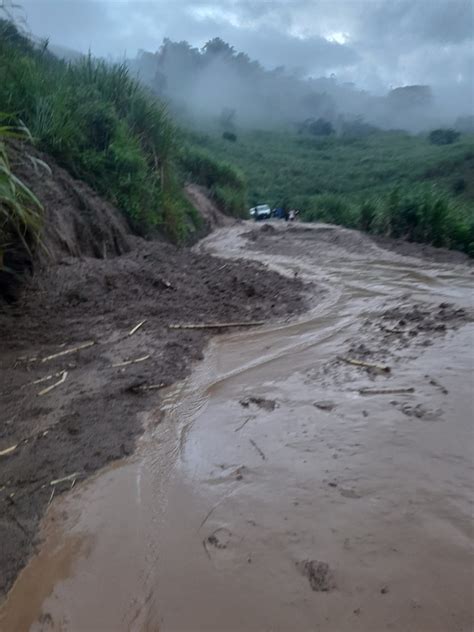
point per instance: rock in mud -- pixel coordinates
(261, 402)
(325, 405)
(421, 412)
(320, 576)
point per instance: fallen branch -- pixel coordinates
(218, 325)
(51, 497)
(65, 478)
(385, 391)
(9, 450)
(367, 365)
(50, 388)
(84, 345)
(127, 362)
(136, 328)
(262, 454)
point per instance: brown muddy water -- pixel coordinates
(251, 508)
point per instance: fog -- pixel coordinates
(399, 64)
(217, 83)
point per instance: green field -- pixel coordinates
(387, 182)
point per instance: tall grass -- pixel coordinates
(102, 126)
(420, 214)
(20, 210)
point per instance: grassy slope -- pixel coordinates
(282, 165)
(106, 129)
(332, 178)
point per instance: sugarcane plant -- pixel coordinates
(20, 210)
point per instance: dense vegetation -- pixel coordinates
(20, 210)
(391, 183)
(105, 128)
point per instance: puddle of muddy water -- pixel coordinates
(209, 525)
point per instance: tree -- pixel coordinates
(217, 47)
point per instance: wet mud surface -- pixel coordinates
(314, 474)
(95, 415)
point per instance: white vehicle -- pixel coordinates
(262, 211)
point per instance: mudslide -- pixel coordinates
(313, 474)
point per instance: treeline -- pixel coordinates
(105, 128)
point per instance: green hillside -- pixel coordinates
(387, 182)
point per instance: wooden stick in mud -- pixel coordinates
(44, 379)
(217, 325)
(52, 495)
(9, 450)
(243, 424)
(367, 365)
(136, 328)
(70, 477)
(50, 388)
(127, 362)
(259, 450)
(385, 391)
(84, 345)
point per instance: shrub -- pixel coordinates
(318, 127)
(443, 136)
(459, 186)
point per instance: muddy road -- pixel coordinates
(313, 474)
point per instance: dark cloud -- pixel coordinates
(375, 43)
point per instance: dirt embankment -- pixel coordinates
(212, 216)
(99, 284)
(77, 222)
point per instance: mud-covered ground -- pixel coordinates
(314, 473)
(95, 415)
(278, 237)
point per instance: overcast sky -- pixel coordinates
(374, 43)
